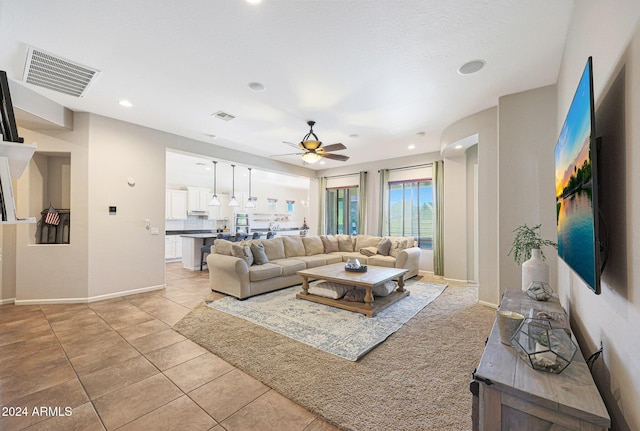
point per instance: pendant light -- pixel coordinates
(250, 203)
(233, 202)
(215, 202)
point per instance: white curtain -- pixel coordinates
(362, 203)
(322, 190)
(438, 220)
(383, 215)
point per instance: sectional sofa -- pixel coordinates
(250, 268)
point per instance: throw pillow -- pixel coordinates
(330, 243)
(345, 243)
(369, 251)
(222, 246)
(243, 252)
(384, 289)
(274, 248)
(384, 246)
(397, 246)
(355, 295)
(313, 245)
(329, 289)
(259, 256)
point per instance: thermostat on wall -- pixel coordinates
(112, 210)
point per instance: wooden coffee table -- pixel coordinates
(375, 275)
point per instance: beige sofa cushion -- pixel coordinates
(293, 246)
(330, 243)
(290, 266)
(364, 241)
(222, 246)
(316, 260)
(312, 245)
(274, 248)
(379, 260)
(264, 272)
(345, 243)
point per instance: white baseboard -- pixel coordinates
(488, 304)
(88, 299)
(7, 301)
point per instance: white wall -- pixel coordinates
(44, 271)
(123, 255)
(484, 124)
(610, 33)
(526, 140)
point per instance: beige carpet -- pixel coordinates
(418, 379)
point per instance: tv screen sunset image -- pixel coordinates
(574, 186)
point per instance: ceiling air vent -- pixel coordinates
(223, 116)
(58, 74)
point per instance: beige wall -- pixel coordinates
(526, 140)
(484, 124)
(610, 33)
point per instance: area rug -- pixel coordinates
(418, 379)
(343, 333)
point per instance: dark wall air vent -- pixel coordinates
(58, 74)
(223, 116)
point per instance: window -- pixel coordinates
(411, 210)
(342, 211)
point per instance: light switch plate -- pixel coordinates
(155, 231)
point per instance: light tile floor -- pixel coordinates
(117, 364)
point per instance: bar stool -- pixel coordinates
(206, 248)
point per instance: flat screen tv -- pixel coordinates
(576, 176)
(8, 127)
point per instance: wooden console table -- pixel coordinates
(513, 396)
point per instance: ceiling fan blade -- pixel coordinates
(286, 154)
(333, 147)
(334, 156)
(291, 144)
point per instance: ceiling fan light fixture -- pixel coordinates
(311, 157)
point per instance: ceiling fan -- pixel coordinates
(313, 148)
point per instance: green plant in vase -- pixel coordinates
(527, 239)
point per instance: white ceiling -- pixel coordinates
(383, 70)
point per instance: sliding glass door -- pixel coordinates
(342, 211)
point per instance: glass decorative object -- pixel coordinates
(542, 346)
(352, 263)
(539, 290)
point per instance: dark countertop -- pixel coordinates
(187, 231)
(282, 229)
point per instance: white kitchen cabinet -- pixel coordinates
(219, 213)
(172, 247)
(176, 205)
(198, 200)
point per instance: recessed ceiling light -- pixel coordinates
(420, 133)
(209, 135)
(125, 103)
(256, 86)
(411, 147)
(353, 135)
(458, 147)
(471, 67)
(254, 1)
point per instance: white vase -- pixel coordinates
(534, 269)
